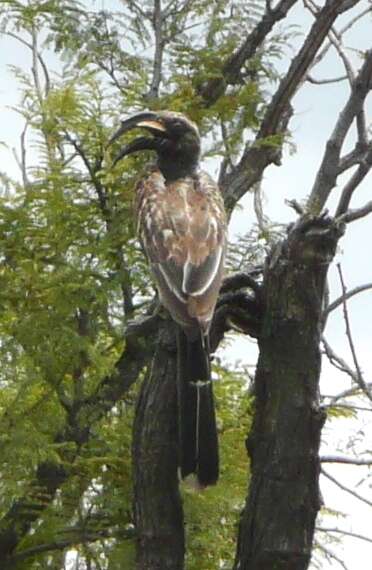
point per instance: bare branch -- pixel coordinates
(322, 53)
(354, 182)
(227, 161)
(275, 121)
(31, 47)
(80, 538)
(295, 206)
(357, 213)
(300, 64)
(359, 377)
(345, 532)
(330, 554)
(345, 460)
(335, 39)
(262, 220)
(214, 88)
(349, 393)
(339, 301)
(312, 79)
(356, 19)
(34, 68)
(352, 158)
(330, 166)
(338, 361)
(157, 24)
(347, 406)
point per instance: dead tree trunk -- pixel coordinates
(277, 523)
(157, 502)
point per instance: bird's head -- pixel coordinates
(175, 139)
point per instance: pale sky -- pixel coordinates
(316, 108)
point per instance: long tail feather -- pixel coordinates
(198, 443)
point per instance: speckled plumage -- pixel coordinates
(182, 226)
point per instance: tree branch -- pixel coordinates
(312, 79)
(355, 180)
(345, 532)
(357, 213)
(347, 406)
(259, 155)
(330, 554)
(330, 165)
(359, 376)
(338, 362)
(345, 460)
(348, 295)
(214, 88)
(79, 538)
(32, 46)
(157, 24)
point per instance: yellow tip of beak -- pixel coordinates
(152, 125)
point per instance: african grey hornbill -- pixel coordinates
(182, 226)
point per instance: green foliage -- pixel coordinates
(339, 411)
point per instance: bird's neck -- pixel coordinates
(175, 169)
(179, 160)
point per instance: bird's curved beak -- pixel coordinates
(147, 119)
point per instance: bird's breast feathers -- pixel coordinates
(182, 226)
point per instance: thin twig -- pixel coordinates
(357, 213)
(358, 176)
(324, 81)
(38, 55)
(330, 166)
(338, 361)
(332, 306)
(345, 532)
(330, 554)
(347, 407)
(346, 489)
(349, 393)
(262, 220)
(88, 536)
(157, 25)
(359, 376)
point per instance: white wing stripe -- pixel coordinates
(171, 285)
(211, 277)
(186, 273)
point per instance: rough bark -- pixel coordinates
(277, 524)
(157, 502)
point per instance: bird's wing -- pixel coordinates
(182, 227)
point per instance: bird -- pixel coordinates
(181, 224)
